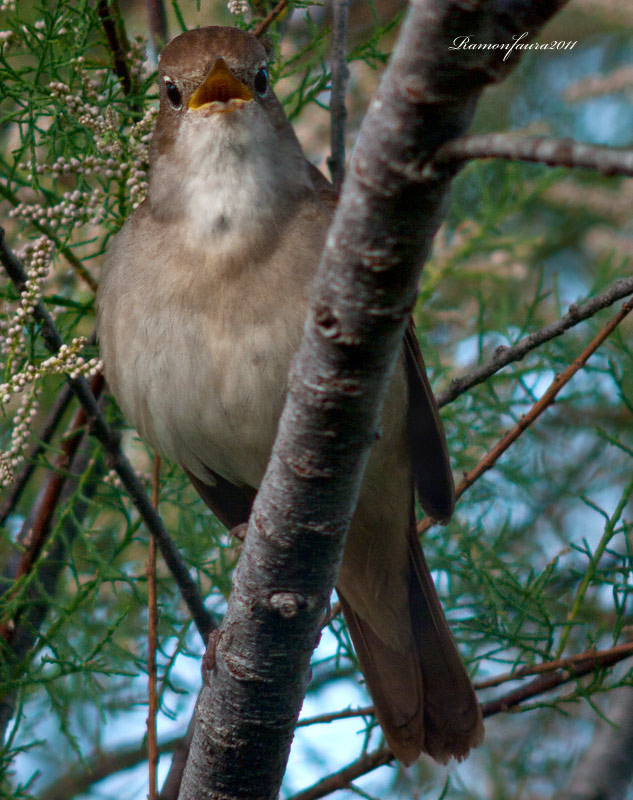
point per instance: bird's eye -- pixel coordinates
(173, 94)
(261, 82)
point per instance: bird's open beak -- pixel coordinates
(220, 91)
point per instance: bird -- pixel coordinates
(202, 302)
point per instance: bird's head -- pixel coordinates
(219, 122)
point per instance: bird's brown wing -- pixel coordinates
(429, 453)
(231, 504)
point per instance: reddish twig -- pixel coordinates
(548, 398)
(569, 663)
(152, 639)
(320, 719)
(100, 765)
(267, 21)
(34, 536)
(342, 778)
(537, 149)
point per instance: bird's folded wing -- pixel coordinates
(231, 504)
(427, 444)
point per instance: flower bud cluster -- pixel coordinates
(13, 456)
(238, 7)
(121, 156)
(65, 361)
(73, 210)
(36, 258)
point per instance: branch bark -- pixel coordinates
(389, 211)
(539, 150)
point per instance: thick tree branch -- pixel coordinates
(387, 216)
(538, 149)
(110, 440)
(506, 355)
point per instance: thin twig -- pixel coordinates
(35, 601)
(340, 73)
(267, 21)
(171, 787)
(339, 780)
(111, 21)
(109, 438)
(537, 149)
(506, 355)
(320, 719)
(493, 455)
(598, 656)
(152, 643)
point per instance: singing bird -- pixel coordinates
(201, 307)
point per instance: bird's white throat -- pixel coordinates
(228, 178)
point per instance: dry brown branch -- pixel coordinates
(569, 663)
(336, 715)
(101, 765)
(548, 398)
(343, 778)
(537, 149)
(268, 21)
(34, 534)
(112, 23)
